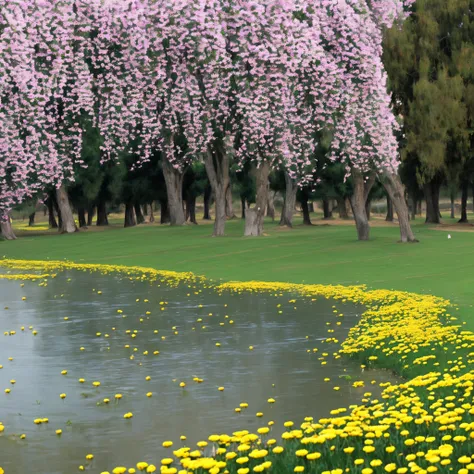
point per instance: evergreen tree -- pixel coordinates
(430, 63)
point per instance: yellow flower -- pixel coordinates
(59, 432)
(367, 470)
(390, 467)
(313, 456)
(141, 466)
(301, 453)
(167, 444)
(62, 395)
(299, 469)
(271, 400)
(151, 468)
(89, 457)
(348, 450)
(278, 449)
(119, 470)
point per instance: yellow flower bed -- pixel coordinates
(425, 424)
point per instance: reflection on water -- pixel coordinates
(279, 366)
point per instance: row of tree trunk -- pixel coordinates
(216, 162)
(254, 216)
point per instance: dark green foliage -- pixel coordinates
(430, 63)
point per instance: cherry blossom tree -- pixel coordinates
(211, 80)
(45, 90)
(364, 137)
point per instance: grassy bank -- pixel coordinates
(327, 254)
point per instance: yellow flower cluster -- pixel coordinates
(137, 273)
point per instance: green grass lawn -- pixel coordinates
(318, 254)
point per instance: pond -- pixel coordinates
(145, 341)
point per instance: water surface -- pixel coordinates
(216, 350)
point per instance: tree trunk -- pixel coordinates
(389, 216)
(152, 216)
(102, 218)
(81, 213)
(305, 208)
(90, 215)
(207, 202)
(129, 215)
(229, 204)
(242, 202)
(431, 190)
(464, 197)
(255, 216)
(52, 220)
(271, 205)
(174, 191)
(138, 213)
(358, 200)
(6, 230)
(396, 191)
(347, 202)
(217, 168)
(368, 208)
(67, 224)
(31, 219)
(327, 209)
(289, 202)
(311, 206)
(145, 210)
(414, 205)
(341, 208)
(164, 212)
(473, 196)
(191, 208)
